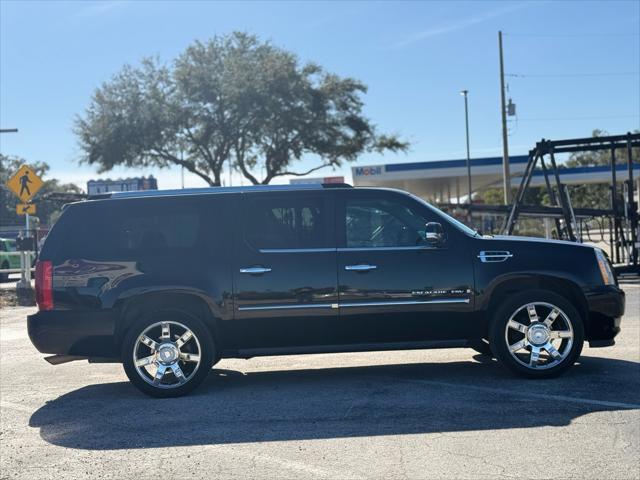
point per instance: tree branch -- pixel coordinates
(302, 174)
(189, 166)
(240, 154)
(208, 157)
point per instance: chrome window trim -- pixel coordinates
(296, 250)
(343, 249)
(494, 256)
(368, 249)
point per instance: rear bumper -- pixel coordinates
(89, 334)
(606, 306)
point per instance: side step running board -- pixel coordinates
(60, 359)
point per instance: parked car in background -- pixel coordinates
(9, 259)
(170, 282)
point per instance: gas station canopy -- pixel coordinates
(444, 180)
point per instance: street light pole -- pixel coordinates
(465, 93)
(506, 175)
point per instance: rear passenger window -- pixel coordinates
(276, 222)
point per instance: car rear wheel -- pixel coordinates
(167, 353)
(537, 334)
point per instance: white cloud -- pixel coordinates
(96, 9)
(459, 25)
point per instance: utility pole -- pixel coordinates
(464, 93)
(505, 142)
(182, 168)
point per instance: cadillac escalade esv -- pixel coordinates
(170, 282)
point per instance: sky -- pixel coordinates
(572, 67)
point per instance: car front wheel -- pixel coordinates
(167, 353)
(537, 334)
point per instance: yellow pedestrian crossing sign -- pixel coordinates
(25, 183)
(26, 209)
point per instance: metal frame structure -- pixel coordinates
(624, 217)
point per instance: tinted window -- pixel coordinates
(287, 221)
(158, 230)
(126, 229)
(381, 223)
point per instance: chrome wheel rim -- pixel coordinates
(539, 335)
(167, 354)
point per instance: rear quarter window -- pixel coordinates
(132, 228)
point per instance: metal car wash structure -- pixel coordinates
(623, 217)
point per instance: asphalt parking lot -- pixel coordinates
(417, 414)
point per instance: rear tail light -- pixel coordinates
(44, 285)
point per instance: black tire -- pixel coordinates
(203, 343)
(499, 333)
(482, 347)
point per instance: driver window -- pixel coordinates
(380, 223)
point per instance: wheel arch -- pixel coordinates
(192, 302)
(506, 286)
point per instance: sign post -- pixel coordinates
(25, 183)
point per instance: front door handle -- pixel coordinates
(255, 270)
(360, 268)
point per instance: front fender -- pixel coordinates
(561, 283)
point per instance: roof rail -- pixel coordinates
(218, 190)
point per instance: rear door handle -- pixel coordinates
(360, 268)
(255, 270)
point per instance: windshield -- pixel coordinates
(456, 223)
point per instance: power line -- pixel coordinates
(569, 35)
(567, 75)
(596, 117)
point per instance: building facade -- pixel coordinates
(96, 187)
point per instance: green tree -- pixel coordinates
(48, 199)
(533, 196)
(233, 99)
(596, 195)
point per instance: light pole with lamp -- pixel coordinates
(464, 93)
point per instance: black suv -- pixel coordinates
(170, 282)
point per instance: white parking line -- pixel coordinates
(505, 391)
(16, 406)
(300, 467)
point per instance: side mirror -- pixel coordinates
(434, 234)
